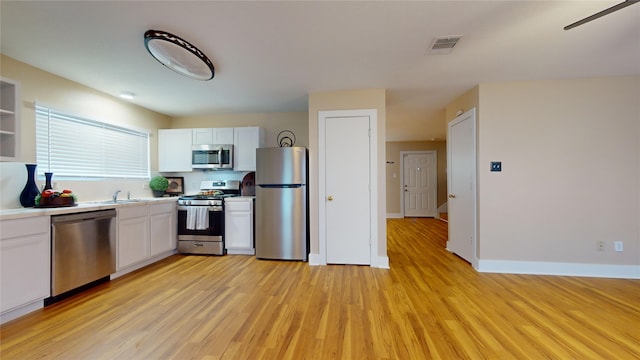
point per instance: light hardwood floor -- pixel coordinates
(429, 305)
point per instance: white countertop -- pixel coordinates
(7, 214)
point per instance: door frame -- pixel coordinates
(435, 164)
(471, 116)
(373, 180)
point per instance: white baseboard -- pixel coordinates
(377, 262)
(140, 265)
(559, 269)
(241, 251)
(20, 311)
(314, 260)
(394, 216)
(381, 262)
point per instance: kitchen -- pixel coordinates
(36, 83)
(39, 85)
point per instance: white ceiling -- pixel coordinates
(270, 55)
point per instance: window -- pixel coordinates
(73, 147)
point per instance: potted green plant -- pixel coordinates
(159, 185)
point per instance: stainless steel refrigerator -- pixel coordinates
(281, 229)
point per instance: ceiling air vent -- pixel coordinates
(443, 45)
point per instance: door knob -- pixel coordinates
(452, 196)
(330, 198)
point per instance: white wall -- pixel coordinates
(570, 153)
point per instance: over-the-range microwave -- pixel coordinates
(216, 157)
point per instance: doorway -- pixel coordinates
(419, 183)
(347, 186)
(461, 183)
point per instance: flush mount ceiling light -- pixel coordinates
(178, 55)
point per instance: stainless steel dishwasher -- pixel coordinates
(83, 249)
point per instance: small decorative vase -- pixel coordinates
(47, 183)
(30, 191)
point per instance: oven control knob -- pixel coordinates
(188, 202)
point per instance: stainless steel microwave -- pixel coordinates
(217, 157)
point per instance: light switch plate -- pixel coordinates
(496, 166)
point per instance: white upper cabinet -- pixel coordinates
(9, 120)
(174, 150)
(247, 140)
(212, 136)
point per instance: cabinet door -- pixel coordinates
(238, 224)
(174, 150)
(223, 135)
(212, 136)
(202, 136)
(133, 241)
(163, 232)
(246, 141)
(24, 270)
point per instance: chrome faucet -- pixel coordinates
(115, 195)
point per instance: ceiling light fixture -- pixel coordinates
(178, 55)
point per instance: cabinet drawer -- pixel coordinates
(23, 227)
(238, 206)
(162, 208)
(200, 247)
(133, 211)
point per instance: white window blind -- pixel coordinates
(73, 147)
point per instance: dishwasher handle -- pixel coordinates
(83, 216)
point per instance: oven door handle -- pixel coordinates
(210, 208)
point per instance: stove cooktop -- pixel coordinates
(206, 197)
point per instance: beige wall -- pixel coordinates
(570, 152)
(394, 187)
(347, 100)
(66, 95)
(464, 103)
(273, 123)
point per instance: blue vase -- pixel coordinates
(30, 191)
(47, 181)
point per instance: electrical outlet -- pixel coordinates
(601, 245)
(145, 186)
(618, 245)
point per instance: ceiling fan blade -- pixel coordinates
(601, 13)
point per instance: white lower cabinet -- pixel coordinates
(24, 263)
(162, 225)
(144, 232)
(238, 226)
(133, 235)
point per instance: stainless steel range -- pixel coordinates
(201, 218)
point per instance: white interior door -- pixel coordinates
(420, 184)
(461, 154)
(346, 193)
